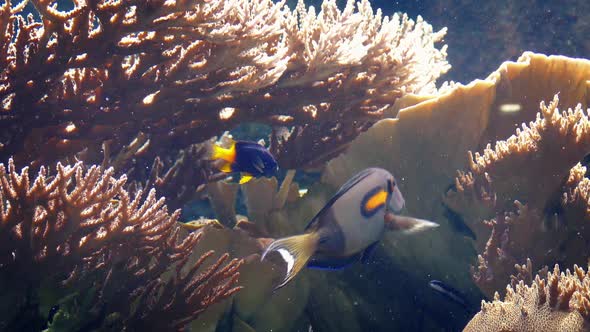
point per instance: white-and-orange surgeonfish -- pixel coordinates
(248, 158)
(349, 226)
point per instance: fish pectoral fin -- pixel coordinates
(226, 168)
(407, 224)
(295, 251)
(246, 178)
(258, 164)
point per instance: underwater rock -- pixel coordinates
(330, 296)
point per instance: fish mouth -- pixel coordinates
(397, 203)
(397, 210)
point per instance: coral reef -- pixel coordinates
(141, 87)
(179, 178)
(425, 145)
(255, 307)
(133, 84)
(81, 229)
(555, 302)
(550, 225)
(276, 209)
(163, 69)
(429, 166)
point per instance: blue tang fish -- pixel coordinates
(249, 158)
(349, 226)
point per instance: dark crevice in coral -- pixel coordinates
(28, 317)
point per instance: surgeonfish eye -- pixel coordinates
(390, 185)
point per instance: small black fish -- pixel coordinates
(456, 221)
(249, 158)
(52, 313)
(450, 293)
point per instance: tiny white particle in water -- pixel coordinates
(510, 108)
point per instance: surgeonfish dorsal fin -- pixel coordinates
(295, 251)
(407, 224)
(246, 178)
(343, 189)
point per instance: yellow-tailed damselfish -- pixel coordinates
(349, 226)
(248, 158)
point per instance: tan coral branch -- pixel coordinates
(557, 302)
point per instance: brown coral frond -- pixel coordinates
(562, 137)
(160, 69)
(79, 226)
(552, 210)
(174, 303)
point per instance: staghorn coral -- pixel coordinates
(78, 229)
(558, 302)
(181, 71)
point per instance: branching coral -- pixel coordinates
(83, 228)
(182, 177)
(537, 167)
(559, 302)
(183, 71)
(512, 167)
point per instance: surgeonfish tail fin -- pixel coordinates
(295, 251)
(228, 155)
(407, 224)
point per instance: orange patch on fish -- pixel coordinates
(375, 201)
